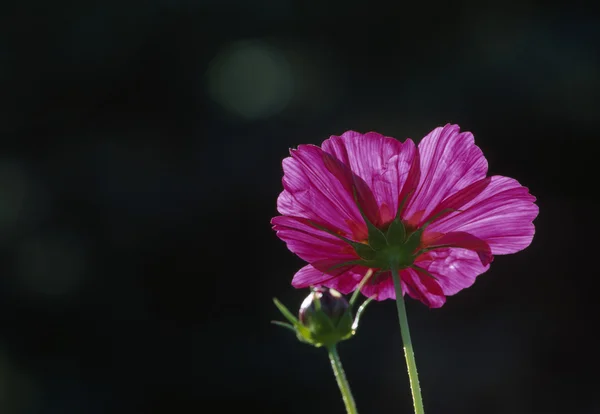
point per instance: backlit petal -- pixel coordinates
(450, 161)
(423, 288)
(309, 243)
(455, 269)
(309, 276)
(389, 167)
(463, 240)
(313, 190)
(381, 287)
(502, 215)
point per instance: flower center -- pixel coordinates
(392, 248)
(387, 248)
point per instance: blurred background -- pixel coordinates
(140, 162)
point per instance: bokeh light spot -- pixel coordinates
(251, 79)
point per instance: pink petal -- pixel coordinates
(313, 192)
(465, 241)
(420, 287)
(381, 286)
(348, 281)
(354, 185)
(387, 166)
(344, 283)
(455, 269)
(423, 288)
(450, 161)
(501, 215)
(309, 276)
(309, 243)
(456, 201)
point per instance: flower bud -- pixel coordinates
(327, 316)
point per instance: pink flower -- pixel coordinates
(370, 201)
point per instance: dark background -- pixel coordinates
(140, 166)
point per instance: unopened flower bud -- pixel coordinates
(327, 315)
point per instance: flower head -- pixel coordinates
(366, 201)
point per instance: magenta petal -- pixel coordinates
(344, 283)
(309, 276)
(502, 215)
(313, 192)
(420, 287)
(450, 161)
(386, 165)
(309, 243)
(456, 201)
(354, 185)
(348, 280)
(423, 288)
(465, 241)
(455, 269)
(382, 288)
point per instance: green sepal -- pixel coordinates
(364, 251)
(295, 325)
(286, 313)
(396, 233)
(414, 240)
(284, 325)
(320, 322)
(377, 239)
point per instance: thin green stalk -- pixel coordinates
(340, 376)
(408, 348)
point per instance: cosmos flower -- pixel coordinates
(365, 201)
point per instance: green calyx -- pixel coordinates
(384, 248)
(390, 247)
(398, 248)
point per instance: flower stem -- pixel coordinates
(413, 376)
(340, 376)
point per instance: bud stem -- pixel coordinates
(413, 376)
(340, 376)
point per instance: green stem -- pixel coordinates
(413, 376)
(340, 376)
